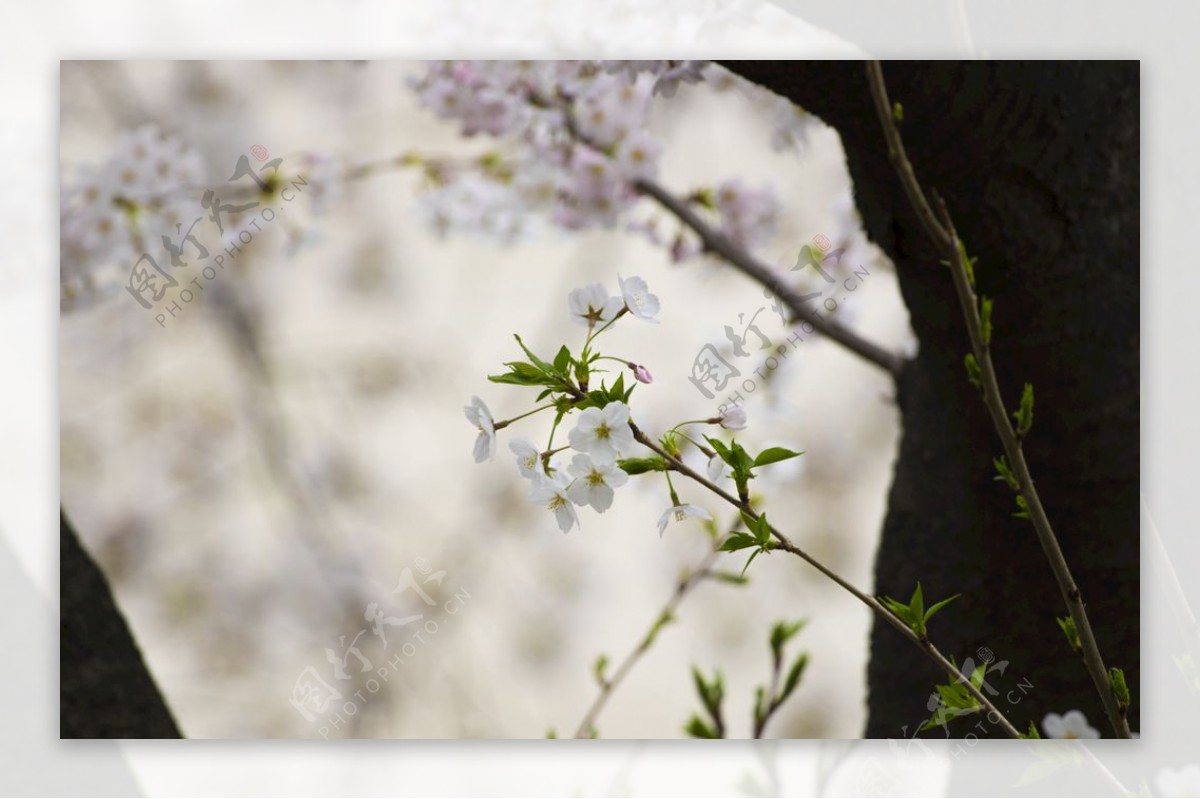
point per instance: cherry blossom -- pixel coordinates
(477, 413)
(681, 512)
(594, 482)
(732, 417)
(604, 432)
(551, 491)
(592, 305)
(1072, 724)
(638, 299)
(528, 457)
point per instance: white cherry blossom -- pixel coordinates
(528, 457)
(638, 299)
(681, 512)
(604, 432)
(591, 305)
(594, 482)
(1072, 724)
(551, 492)
(477, 413)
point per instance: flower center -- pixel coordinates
(680, 515)
(602, 431)
(556, 503)
(596, 479)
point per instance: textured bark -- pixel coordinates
(105, 690)
(1039, 165)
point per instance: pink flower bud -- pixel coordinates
(641, 373)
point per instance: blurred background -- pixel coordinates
(257, 471)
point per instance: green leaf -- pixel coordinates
(598, 670)
(1023, 513)
(522, 374)
(1067, 625)
(562, 361)
(782, 632)
(916, 606)
(633, 466)
(617, 392)
(774, 455)
(898, 608)
(719, 447)
(697, 728)
(974, 373)
(738, 541)
(793, 677)
(1120, 688)
(938, 606)
(729, 577)
(968, 263)
(542, 365)
(1024, 412)
(1004, 472)
(1033, 732)
(985, 320)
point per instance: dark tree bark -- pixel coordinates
(1039, 166)
(105, 690)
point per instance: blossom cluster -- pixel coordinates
(109, 212)
(577, 142)
(602, 435)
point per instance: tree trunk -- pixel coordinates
(1039, 166)
(105, 690)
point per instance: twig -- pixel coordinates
(871, 602)
(946, 238)
(607, 686)
(718, 244)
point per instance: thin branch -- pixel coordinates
(607, 687)
(947, 238)
(717, 244)
(871, 602)
(899, 157)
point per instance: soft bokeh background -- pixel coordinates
(257, 471)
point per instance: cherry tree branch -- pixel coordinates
(718, 244)
(786, 544)
(608, 686)
(946, 238)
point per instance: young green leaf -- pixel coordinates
(782, 632)
(1033, 732)
(1120, 688)
(774, 455)
(598, 669)
(938, 606)
(1004, 472)
(1067, 625)
(793, 677)
(698, 728)
(1023, 513)
(974, 373)
(542, 365)
(1024, 412)
(738, 541)
(562, 362)
(985, 320)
